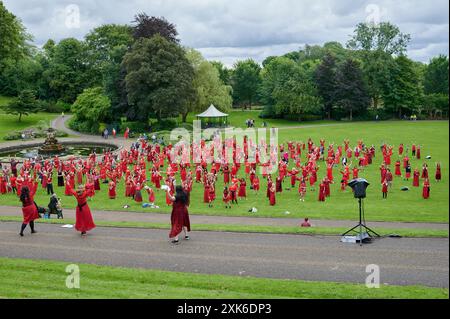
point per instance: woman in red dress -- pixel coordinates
(180, 216)
(112, 190)
(226, 197)
(416, 177)
(256, 184)
(398, 171)
(83, 217)
(29, 209)
(138, 193)
(426, 189)
(322, 192)
(438, 175)
(384, 189)
(151, 195)
(425, 171)
(242, 188)
(272, 191)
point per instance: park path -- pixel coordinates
(404, 261)
(162, 218)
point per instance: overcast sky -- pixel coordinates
(230, 30)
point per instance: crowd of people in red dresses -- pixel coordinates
(146, 167)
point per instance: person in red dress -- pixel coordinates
(127, 133)
(233, 192)
(425, 171)
(211, 195)
(256, 184)
(151, 194)
(385, 188)
(180, 216)
(418, 152)
(272, 192)
(416, 177)
(398, 171)
(112, 190)
(29, 209)
(322, 192)
(138, 193)
(306, 223)
(438, 174)
(302, 189)
(426, 189)
(242, 193)
(83, 216)
(226, 197)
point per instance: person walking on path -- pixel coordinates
(180, 216)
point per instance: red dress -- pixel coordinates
(29, 209)
(179, 219)
(84, 221)
(426, 190)
(272, 198)
(416, 178)
(112, 190)
(242, 191)
(321, 192)
(397, 169)
(438, 173)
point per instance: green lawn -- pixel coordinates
(10, 123)
(296, 230)
(400, 206)
(46, 279)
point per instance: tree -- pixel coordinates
(25, 74)
(246, 81)
(376, 44)
(288, 88)
(402, 86)
(68, 71)
(147, 27)
(158, 78)
(13, 38)
(225, 73)
(92, 106)
(325, 78)
(107, 45)
(25, 104)
(352, 92)
(208, 86)
(436, 76)
(384, 37)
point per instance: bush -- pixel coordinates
(84, 127)
(164, 125)
(63, 106)
(13, 136)
(269, 112)
(135, 127)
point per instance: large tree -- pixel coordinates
(13, 38)
(376, 44)
(402, 90)
(208, 86)
(325, 78)
(147, 27)
(25, 104)
(288, 88)
(107, 46)
(68, 71)
(436, 76)
(352, 91)
(246, 81)
(158, 78)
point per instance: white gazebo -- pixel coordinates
(212, 117)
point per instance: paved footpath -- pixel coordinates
(412, 261)
(164, 218)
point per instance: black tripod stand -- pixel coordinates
(361, 225)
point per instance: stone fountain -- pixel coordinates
(51, 144)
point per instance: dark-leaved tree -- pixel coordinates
(325, 78)
(25, 104)
(352, 93)
(146, 27)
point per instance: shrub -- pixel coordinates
(13, 136)
(63, 106)
(135, 127)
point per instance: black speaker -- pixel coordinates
(359, 187)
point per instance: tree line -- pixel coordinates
(141, 71)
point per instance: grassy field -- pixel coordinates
(332, 231)
(400, 206)
(46, 279)
(10, 123)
